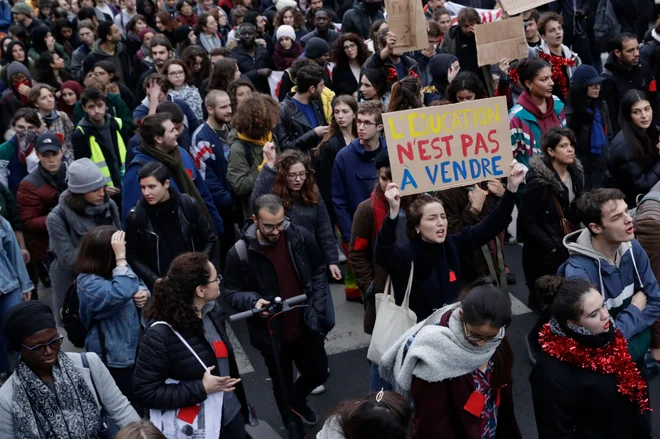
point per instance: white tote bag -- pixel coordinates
(392, 321)
(202, 421)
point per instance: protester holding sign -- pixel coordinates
(537, 110)
(437, 256)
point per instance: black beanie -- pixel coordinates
(316, 48)
(181, 33)
(25, 319)
(383, 159)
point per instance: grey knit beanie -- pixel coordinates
(85, 177)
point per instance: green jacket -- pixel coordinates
(59, 49)
(116, 108)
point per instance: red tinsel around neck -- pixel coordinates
(611, 359)
(392, 76)
(558, 63)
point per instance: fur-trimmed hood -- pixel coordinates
(548, 176)
(233, 43)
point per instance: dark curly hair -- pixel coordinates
(224, 70)
(307, 192)
(173, 294)
(338, 54)
(298, 19)
(233, 87)
(189, 56)
(257, 116)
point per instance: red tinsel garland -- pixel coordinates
(558, 63)
(611, 359)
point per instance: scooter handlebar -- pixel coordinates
(277, 302)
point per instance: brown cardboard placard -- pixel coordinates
(437, 148)
(405, 18)
(513, 7)
(500, 39)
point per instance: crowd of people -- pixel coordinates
(166, 163)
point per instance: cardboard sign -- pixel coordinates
(499, 40)
(406, 19)
(513, 7)
(437, 148)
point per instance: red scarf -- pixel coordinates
(379, 204)
(558, 64)
(611, 359)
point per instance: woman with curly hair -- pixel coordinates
(349, 53)
(180, 79)
(343, 130)
(252, 129)
(225, 70)
(198, 62)
(189, 328)
(406, 95)
(291, 177)
(465, 87)
(291, 16)
(239, 91)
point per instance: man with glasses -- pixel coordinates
(275, 258)
(302, 120)
(354, 173)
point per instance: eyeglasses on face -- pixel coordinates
(176, 74)
(270, 227)
(217, 279)
(479, 338)
(365, 123)
(350, 46)
(41, 348)
(298, 176)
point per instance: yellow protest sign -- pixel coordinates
(436, 148)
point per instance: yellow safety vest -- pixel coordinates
(99, 159)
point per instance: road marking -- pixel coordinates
(517, 307)
(242, 360)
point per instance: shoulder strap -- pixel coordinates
(247, 148)
(182, 341)
(85, 362)
(241, 250)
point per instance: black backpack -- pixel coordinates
(75, 330)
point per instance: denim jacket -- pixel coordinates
(108, 305)
(13, 274)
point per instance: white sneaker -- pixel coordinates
(320, 389)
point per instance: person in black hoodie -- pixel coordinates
(634, 159)
(359, 19)
(624, 71)
(164, 224)
(188, 327)
(585, 383)
(436, 256)
(588, 115)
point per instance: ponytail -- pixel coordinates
(563, 295)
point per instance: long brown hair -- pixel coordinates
(308, 190)
(95, 255)
(334, 127)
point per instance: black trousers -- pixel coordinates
(235, 429)
(308, 355)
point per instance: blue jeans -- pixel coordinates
(377, 382)
(7, 302)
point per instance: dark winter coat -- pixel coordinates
(162, 355)
(439, 406)
(649, 52)
(595, 168)
(358, 20)
(323, 163)
(248, 65)
(120, 59)
(633, 176)
(343, 80)
(294, 130)
(144, 249)
(575, 403)
(539, 220)
(618, 81)
(246, 283)
(37, 196)
(437, 266)
(449, 45)
(376, 62)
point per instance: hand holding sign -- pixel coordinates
(518, 171)
(393, 199)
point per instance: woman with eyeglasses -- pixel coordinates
(436, 255)
(54, 394)
(111, 298)
(585, 383)
(181, 80)
(456, 366)
(291, 177)
(164, 224)
(188, 327)
(349, 53)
